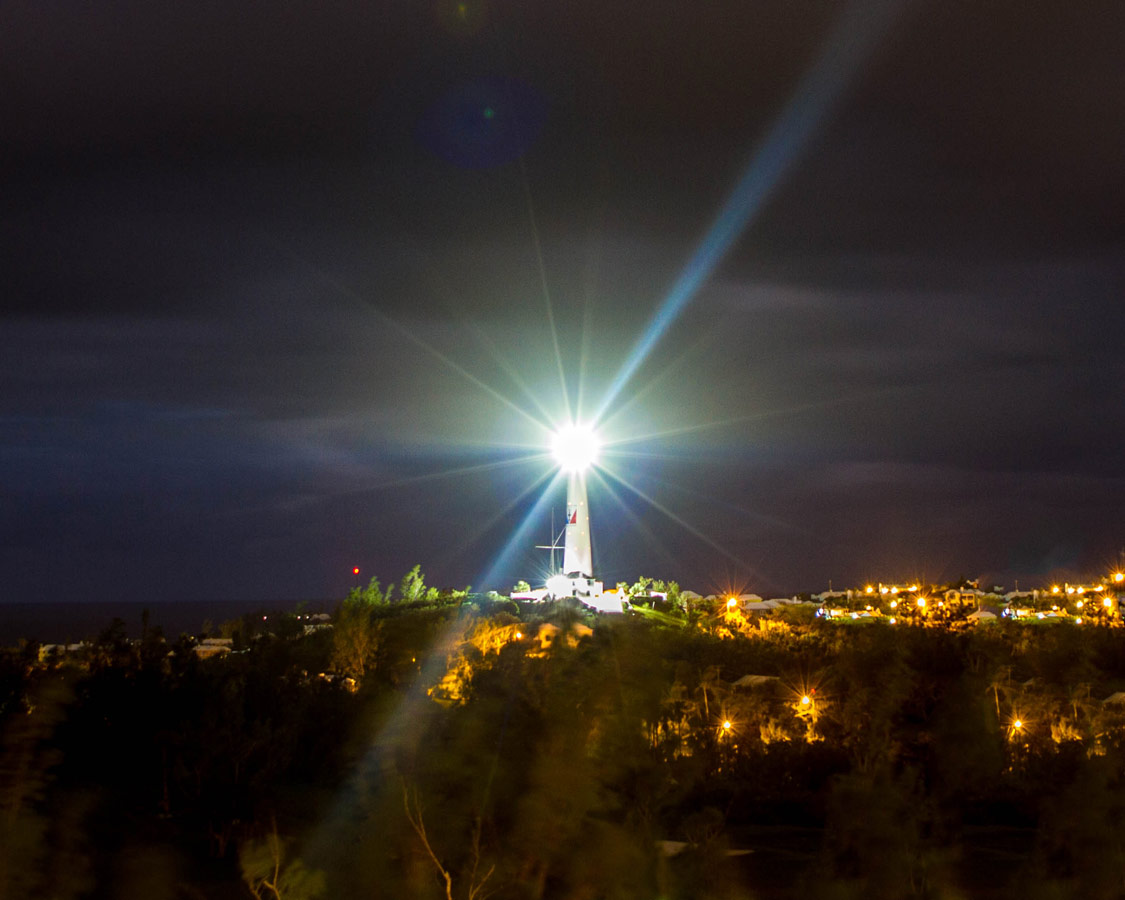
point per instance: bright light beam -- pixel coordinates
(638, 523)
(853, 38)
(471, 537)
(418, 342)
(543, 281)
(796, 410)
(575, 447)
(521, 535)
(655, 504)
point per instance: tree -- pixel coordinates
(355, 638)
(268, 876)
(475, 887)
(412, 588)
(373, 594)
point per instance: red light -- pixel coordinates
(355, 571)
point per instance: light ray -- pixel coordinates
(853, 38)
(421, 344)
(543, 282)
(520, 535)
(637, 521)
(448, 473)
(657, 505)
(675, 363)
(510, 370)
(797, 409)
(327, 497)
(378, 766)
(758, 517)
(487, 525)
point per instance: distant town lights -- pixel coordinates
(575, 447)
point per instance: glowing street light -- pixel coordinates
(732, 603)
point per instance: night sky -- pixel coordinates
(279, 282)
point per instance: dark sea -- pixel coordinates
(64, 623)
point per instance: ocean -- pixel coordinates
(70, 622)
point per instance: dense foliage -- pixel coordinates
(441, 745)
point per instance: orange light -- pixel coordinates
(806, 700)
(726, 725)
(1017, 724)
(1119, 576)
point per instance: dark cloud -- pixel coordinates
(273, 292)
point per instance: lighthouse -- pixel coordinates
(575, 448)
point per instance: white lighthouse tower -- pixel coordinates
(576, 449)
(578, 554)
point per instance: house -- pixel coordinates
(211, 647)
